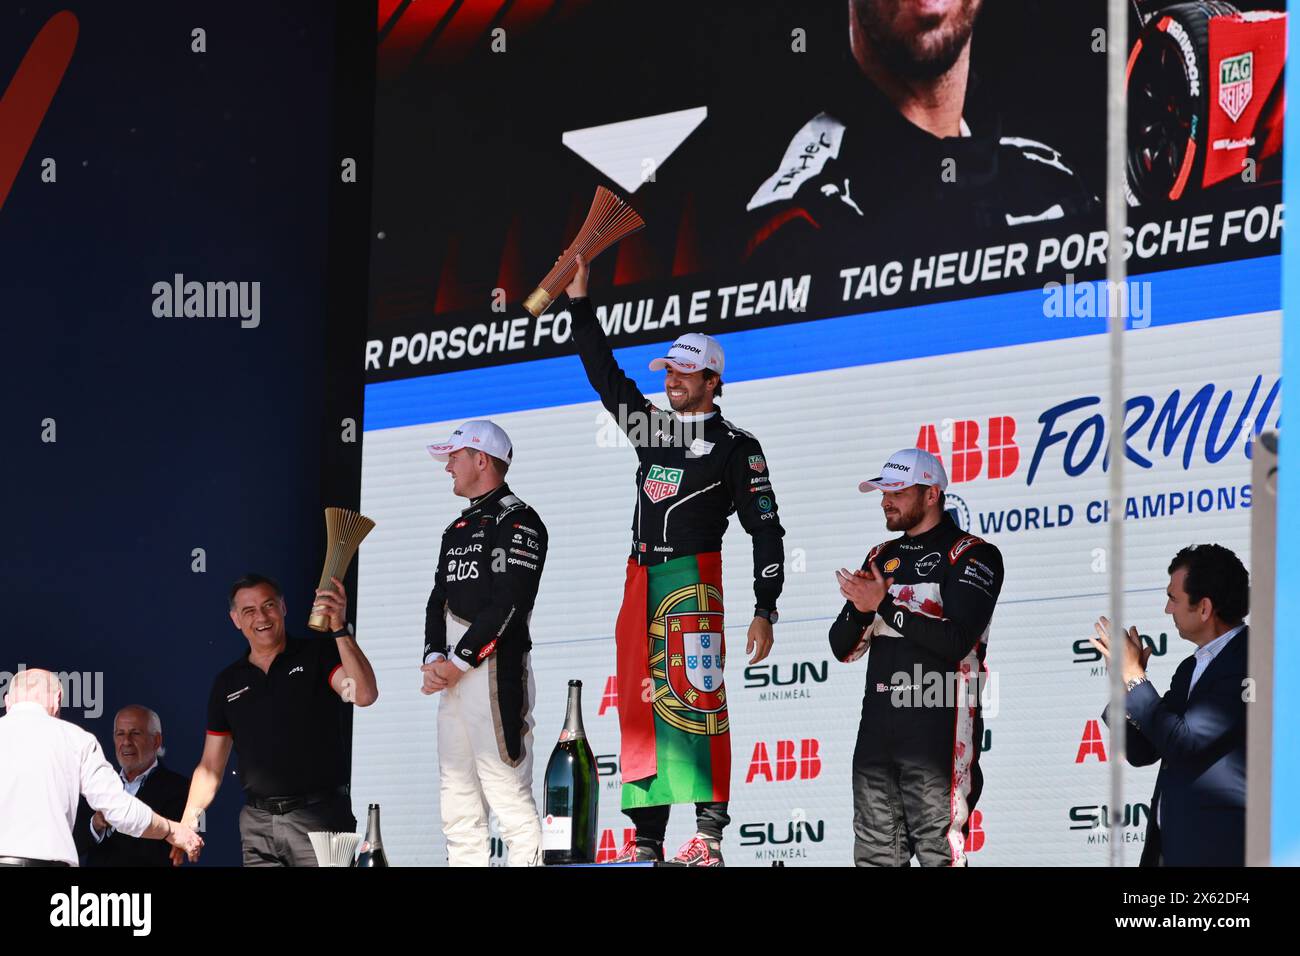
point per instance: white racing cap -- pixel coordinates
(692, 352)
(480, 435)
(910, 466)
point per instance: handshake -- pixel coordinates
(186, 843)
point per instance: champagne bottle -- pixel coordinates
(569, 814)
(372, 847)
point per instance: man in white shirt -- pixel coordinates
(48, 762)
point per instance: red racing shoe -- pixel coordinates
(634, 852)
(700, 851)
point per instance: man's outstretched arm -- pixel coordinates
(618, 393)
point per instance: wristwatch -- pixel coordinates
(770, 616)
(347, 630)
(1129, 685)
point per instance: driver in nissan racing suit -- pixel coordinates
(921, 605)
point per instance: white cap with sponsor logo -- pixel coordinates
(692, 352)
(910, 466)
(480, 435)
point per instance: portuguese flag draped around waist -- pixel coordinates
(672, 705)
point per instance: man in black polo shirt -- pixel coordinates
(279, 706)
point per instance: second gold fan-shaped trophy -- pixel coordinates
(345, 530)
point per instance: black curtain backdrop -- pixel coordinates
(176, 434)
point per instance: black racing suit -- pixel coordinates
(916, 775)
(489, 567)
(691, 476)
(858, 176)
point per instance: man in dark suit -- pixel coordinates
(1198, 729)
(137, 738)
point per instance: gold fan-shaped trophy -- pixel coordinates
(345, 530)
(609, 220)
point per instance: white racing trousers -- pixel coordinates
(477, 773)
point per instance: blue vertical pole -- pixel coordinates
(1286, 657)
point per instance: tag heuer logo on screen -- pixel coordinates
(662, 483)
(757, 463)
(1235, 83)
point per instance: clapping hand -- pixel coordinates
(864, 588)
(1135, 655)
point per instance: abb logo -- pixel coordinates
(806, 766)
(609, 699)
(608, 849)
(967, 459)
(1092, 743)
(975, 832)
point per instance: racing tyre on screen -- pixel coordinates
(1168, 101)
